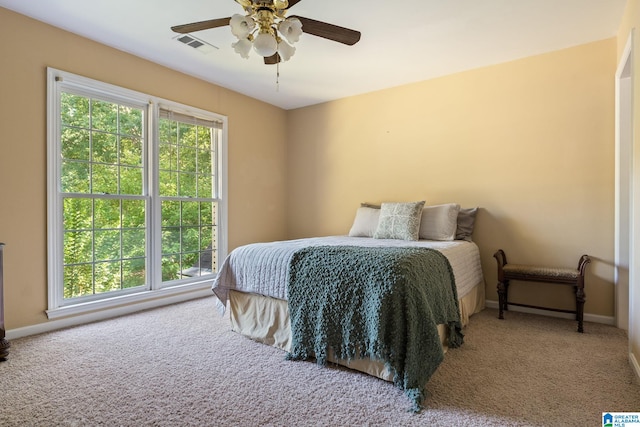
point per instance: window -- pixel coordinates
(135, 195)
(188, 155)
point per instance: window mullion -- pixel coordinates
(154, 243)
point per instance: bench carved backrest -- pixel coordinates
(502, 261)
(582, 266)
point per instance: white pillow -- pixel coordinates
(365, 223)
(439, 222)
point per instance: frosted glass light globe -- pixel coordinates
(242, 47)
(241, 26)
(291, 29)
(265, 44)
(285, 51)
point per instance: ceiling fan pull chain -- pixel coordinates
(278, 76)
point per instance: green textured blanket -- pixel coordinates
(379, 302)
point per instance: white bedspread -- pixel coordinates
(261, 268)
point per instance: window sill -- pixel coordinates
(131, 303)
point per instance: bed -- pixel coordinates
(253, 283)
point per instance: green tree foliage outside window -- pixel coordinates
(102, 181)
(187, 157)
(102, 160)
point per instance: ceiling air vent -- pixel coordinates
(199, 45)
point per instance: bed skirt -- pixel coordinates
(266, 320)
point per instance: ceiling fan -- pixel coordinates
(266, 28)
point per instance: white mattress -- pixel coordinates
(261, 268)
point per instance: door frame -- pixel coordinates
(625, 267)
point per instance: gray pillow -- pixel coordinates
(370, 205)
(399, 221)
(466, 222)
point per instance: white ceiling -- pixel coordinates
(402, 41)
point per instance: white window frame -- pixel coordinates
(59, 81)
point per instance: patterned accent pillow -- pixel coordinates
(399, 221)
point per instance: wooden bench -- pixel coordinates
(532, 273)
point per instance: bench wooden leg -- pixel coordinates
(506, 295)
(502, 298)
(580, 299)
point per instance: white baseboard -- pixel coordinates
(596, 318)
(82, 319)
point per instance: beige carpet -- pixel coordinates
(182, 366)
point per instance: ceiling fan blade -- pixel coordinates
(329, 31)
(202, 25)
(272, 60)
(293, 3)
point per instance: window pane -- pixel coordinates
(107, 245)
(105, 179)
(130, 180)
(170, 267)
(131, 122)
(204, 137)
(133, 273)
(133, 213)
(187, 159)
(77, 214)
(168, 183)
(107, 213)
(78, 247)
(186, 135)
(171, 214)
(190, 260)
(171, 240)
(107, 277)
(78, 280)
(105, 148)
(190, 239)
(95, 256)
(104, 116)
(187, 185)
(75, 144)
(75, 177)
(190, 213)
(74, 110)
(168, 157)
(204, 186)
(206, 237)
(168, 132)
(204, 161)
(133, 243)
(206, 264)
(206, 212)
(131, 151)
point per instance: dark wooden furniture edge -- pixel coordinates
(4, 344)
(535, 274)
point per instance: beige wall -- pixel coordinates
(27, 47)
(531, 142)
(631, 21)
